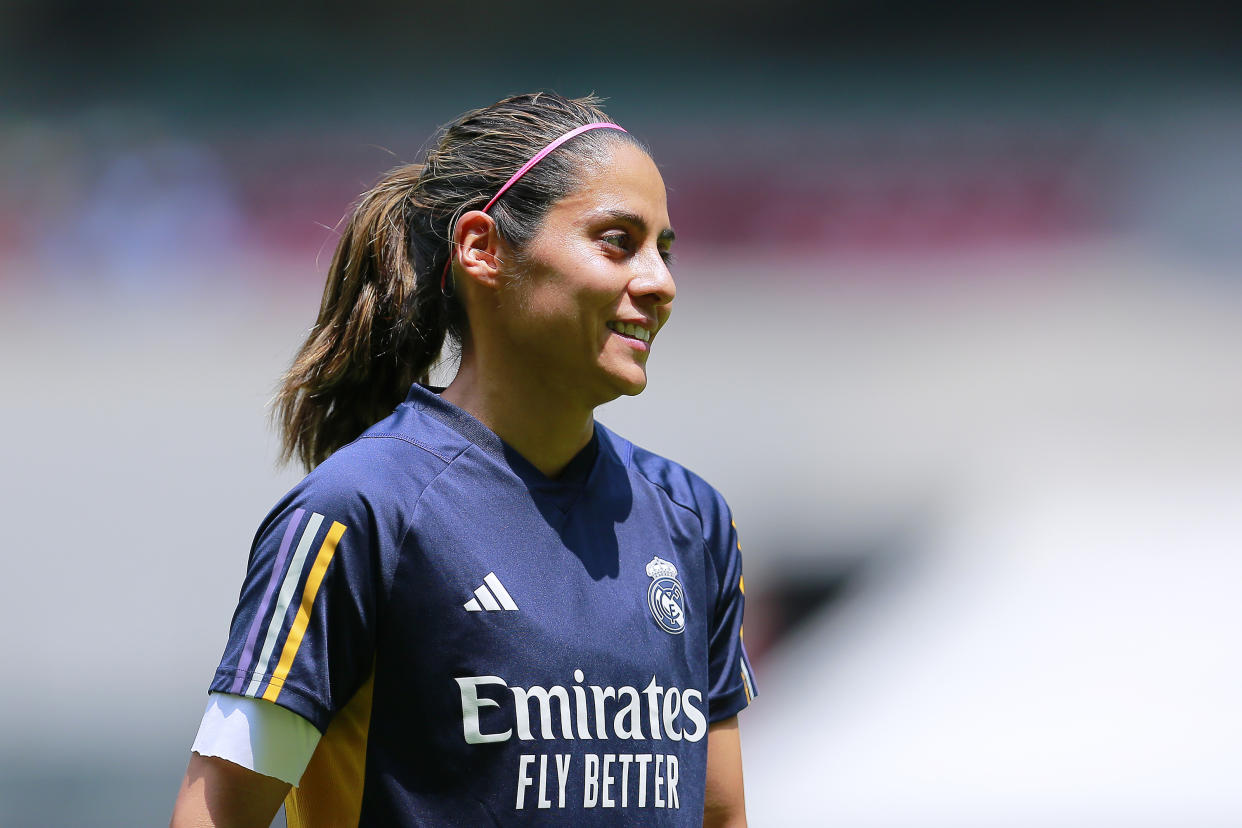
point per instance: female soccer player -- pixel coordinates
(485, 608)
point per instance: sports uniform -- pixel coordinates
(482, 645)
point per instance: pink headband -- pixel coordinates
(525, 168)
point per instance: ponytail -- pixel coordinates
(384, 316)
(381, 325)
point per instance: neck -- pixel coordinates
(537, 422)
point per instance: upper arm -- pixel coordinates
(725, 803)
(301, 637)
(216, 793)
(303, 632)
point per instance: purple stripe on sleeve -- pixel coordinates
(247, 656)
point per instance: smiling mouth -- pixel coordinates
(631, 330)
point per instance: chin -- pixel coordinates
(633, 387)
(626, 386)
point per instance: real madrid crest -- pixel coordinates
(666, 597)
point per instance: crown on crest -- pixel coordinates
(660, 568)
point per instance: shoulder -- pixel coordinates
(678, 484)
(386, 468)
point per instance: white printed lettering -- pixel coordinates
(643, 760)
(524, 780)
(672, 708)
(544, 802)
(470, 704)
(590, 787)
(625, 759)
(658, 773)
(605, 785)
(653, 692)
(580, 704)
(668, 712)
(601, 715)
(562, 775)
(631, 713)
(693, 714)
(522, 697)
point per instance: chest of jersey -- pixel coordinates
(553, 641)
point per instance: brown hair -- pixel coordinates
(384, 319)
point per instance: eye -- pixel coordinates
(667, 255)
(621, 241)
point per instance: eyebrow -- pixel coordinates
(666, 235)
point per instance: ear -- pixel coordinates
(476, 248)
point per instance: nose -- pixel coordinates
(655, 282)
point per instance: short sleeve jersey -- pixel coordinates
(482, 645)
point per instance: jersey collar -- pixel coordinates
(565, 487)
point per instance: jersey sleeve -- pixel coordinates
(304, 630)
(732, 680)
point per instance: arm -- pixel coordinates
(725, 805)
(219, 794)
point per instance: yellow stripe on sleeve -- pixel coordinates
(302, 620)
(741, 585)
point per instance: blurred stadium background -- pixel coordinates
(959, 335)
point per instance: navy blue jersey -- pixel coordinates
(483, 645)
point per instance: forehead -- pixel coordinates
(625, 179)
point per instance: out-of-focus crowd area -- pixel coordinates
(958, 334)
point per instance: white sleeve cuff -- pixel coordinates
(256, 734)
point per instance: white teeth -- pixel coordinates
(630, 329)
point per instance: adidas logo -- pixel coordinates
(496, 598)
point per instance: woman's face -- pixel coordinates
(594, 287)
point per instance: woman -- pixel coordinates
(483, 607)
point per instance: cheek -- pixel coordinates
(548, 318)
(570, 291)
(578, 299)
